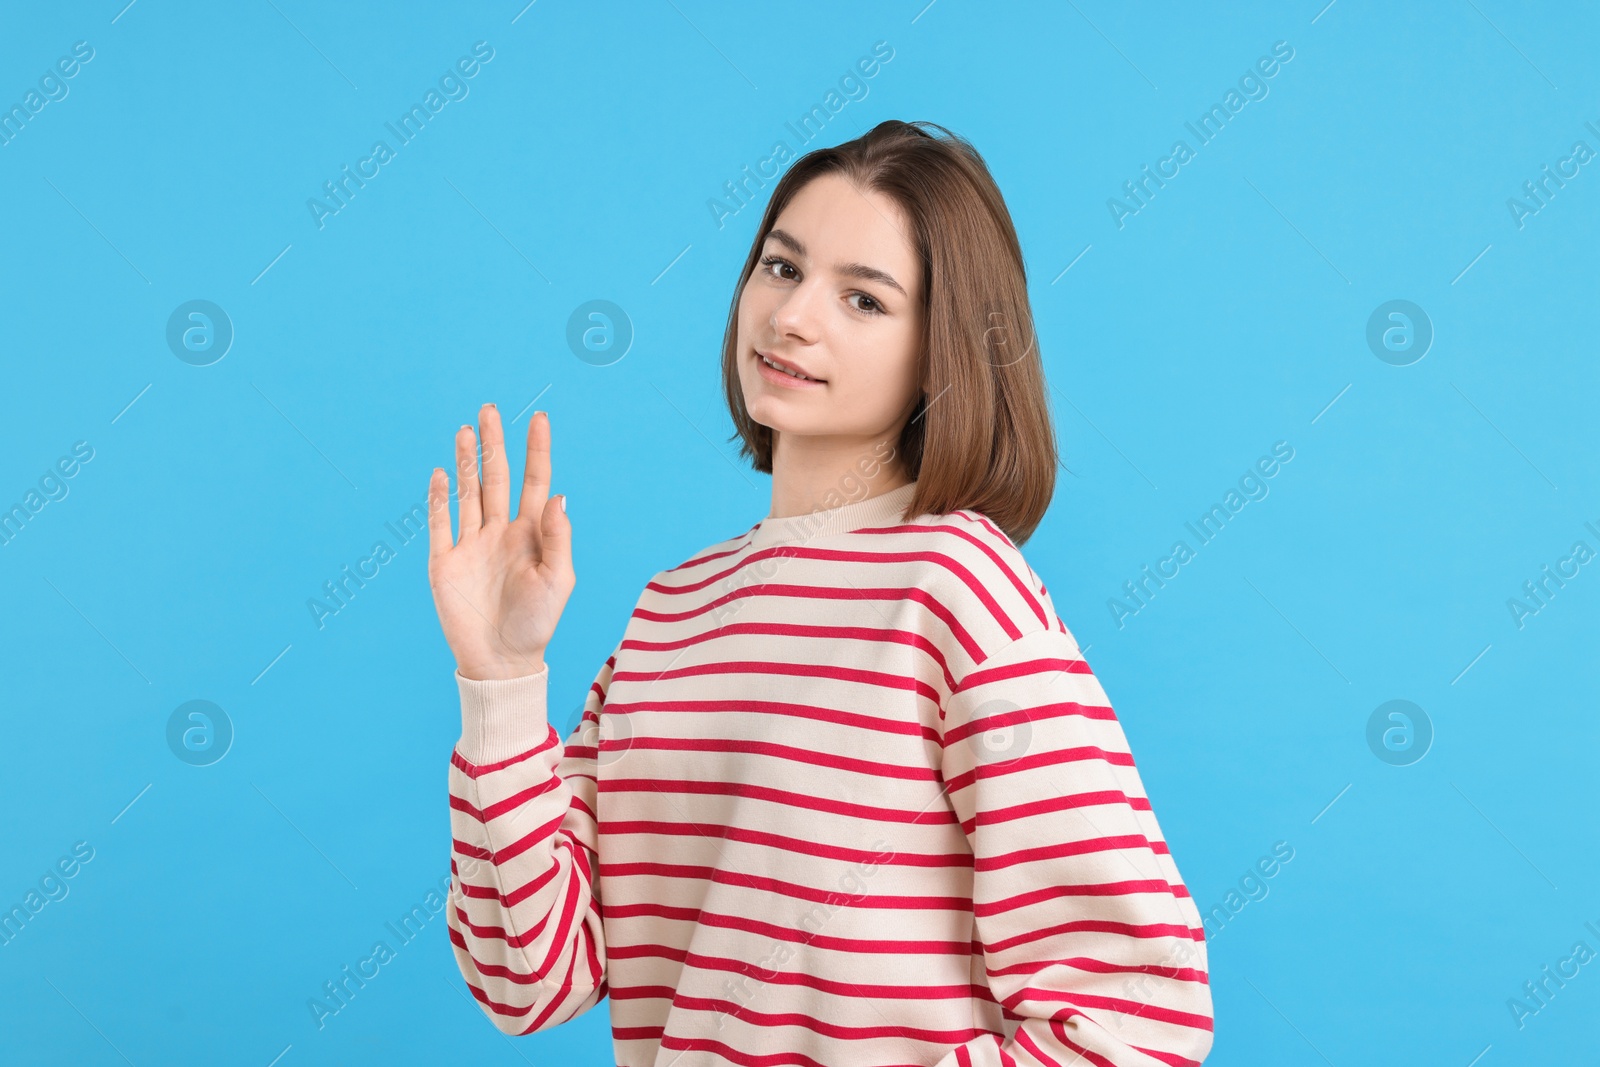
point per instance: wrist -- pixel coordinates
(501, 670)
(502, 718)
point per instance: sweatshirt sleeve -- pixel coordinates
(524, 911)
(1089, 935)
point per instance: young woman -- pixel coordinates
(846, 792)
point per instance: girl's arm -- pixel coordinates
(1088, 932)
(524, 850)
(523, 914)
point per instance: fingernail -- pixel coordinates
(541, 412)
(563, 503)
(491, 405)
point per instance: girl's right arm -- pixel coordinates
(523, 914)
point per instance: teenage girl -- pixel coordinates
(846, 791)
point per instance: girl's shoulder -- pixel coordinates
(983, 578)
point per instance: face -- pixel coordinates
(836, 295)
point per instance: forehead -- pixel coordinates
(840, 224)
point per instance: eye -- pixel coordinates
(770, 261)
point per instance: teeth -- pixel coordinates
(790, 373)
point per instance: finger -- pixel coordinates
(496, 473)
(468, 491)
(555, 550)
(438, 513)
(536, 473)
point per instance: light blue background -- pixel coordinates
(1223, 317)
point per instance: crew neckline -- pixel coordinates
(885, 509)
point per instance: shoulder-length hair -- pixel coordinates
(980, 437)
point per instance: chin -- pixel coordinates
(766, 413)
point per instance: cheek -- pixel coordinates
(746, 319)
(898, 374)
(750, 302)
(747, 331)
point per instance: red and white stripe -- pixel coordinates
(789, 828)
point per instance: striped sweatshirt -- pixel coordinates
(845, 794)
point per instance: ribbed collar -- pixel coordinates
(885, 509)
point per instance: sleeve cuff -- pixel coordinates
(502, 717)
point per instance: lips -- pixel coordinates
(786, 365)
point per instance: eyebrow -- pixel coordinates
(852, 270)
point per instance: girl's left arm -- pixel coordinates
(1088, 931)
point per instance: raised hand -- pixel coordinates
(501, 586)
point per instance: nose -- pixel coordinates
(796, 314)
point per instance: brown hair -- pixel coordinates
(980, 437)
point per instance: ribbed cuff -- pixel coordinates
(502, 717)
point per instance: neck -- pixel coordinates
(815, 472)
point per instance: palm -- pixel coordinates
(500, 588)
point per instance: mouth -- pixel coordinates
(784, 373)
